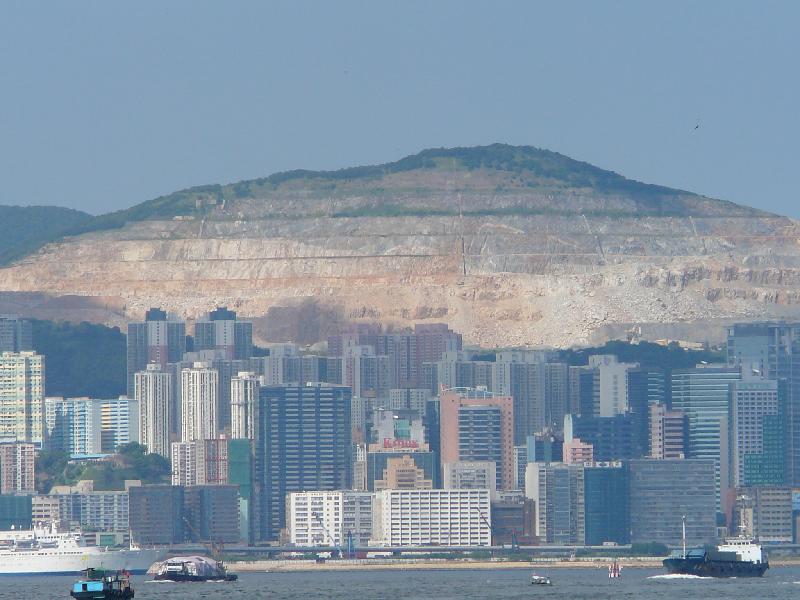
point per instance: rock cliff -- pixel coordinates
(511, 246)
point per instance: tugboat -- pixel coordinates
(192, 568)
(98, 584)
(737, 557)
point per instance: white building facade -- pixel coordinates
(329, 518)
(432, 517)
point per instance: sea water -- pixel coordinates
(575, 584)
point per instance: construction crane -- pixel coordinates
(514, 539)
(336, 546)
(214, 548)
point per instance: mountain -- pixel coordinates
(24, 229)
(510, 245)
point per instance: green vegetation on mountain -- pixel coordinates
(515, 169)
(81, 359)
(647, 354)
(24, 229)
(130, 462)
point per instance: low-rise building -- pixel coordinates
(432, 517)
(329, 518)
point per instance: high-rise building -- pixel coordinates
(158, 339)
(758, 436)
(662, 492)
(539, 386)
(199, 402)
(17, 475)
(74, 425)
(558, 493)
(669, 430)
(415, 400)
(244, 405)
(432, 517)
(22, 397)
(303, 442)
(222, 331)
(183, 460)
(119, 423)
(329, 518)
(611, 438)
(607, 514)
(772, 349)
(476, 425)
(16, 335)
(153, 391)
(377, 463)
(704, 395)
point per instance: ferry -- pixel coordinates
(50, 552)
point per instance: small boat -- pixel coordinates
(540, 580)
(192, 568)
(614, 570)
(97, 584)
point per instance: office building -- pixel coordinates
(475, 425)
(212, 513)
(22, 397)
(558, 493)
(199, 402)
(764, 513)
(244, 405)
(704, 395)
(17, 475)
(669, 430)
(156, 515)
(159, 339)
(153, 391)
(377, 463)
(16, 335)
(664, 491)
(611, 438)
(329, 518)
(606, 504)
(466, 475)
(241, 473)
(772, 350)
(221, 331)
(432, 517)
(16, 512)
(402, 473)
(413, 400)
(758, 437)
(303, 442)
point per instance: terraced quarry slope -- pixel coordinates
(509, 245)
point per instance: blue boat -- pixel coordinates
(97, 584)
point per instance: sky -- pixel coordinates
(104, 104)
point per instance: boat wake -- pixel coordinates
(677, 576)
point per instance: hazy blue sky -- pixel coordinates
(105, 104)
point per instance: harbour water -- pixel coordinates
(575, 584)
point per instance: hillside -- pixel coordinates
(24, 229)
(511, 245)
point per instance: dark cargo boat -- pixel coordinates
(737, 557)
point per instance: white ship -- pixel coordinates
(46, 551)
